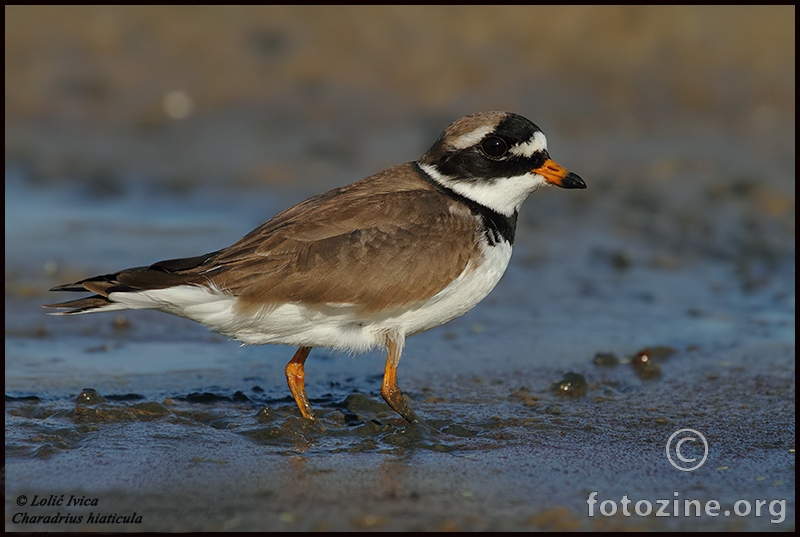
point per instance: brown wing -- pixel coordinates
(388, 241)
(374, 244)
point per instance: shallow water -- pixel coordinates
(145, 412)
(660, 298)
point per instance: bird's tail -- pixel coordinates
(161, 275)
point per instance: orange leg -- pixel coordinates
(390, 390)
(295, 377)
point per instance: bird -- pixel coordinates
(364, 265)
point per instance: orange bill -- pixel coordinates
(558, 175)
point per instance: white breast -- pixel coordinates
(334, 325)
(462, 294)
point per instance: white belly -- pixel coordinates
(338, 326)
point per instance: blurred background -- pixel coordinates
(134, 134)
(277, 94)
(660, 108)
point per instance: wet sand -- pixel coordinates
(661, 298)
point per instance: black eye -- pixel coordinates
(494, 146)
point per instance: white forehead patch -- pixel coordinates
(471, 138)
(537, 143)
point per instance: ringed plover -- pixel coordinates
(365, 265)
